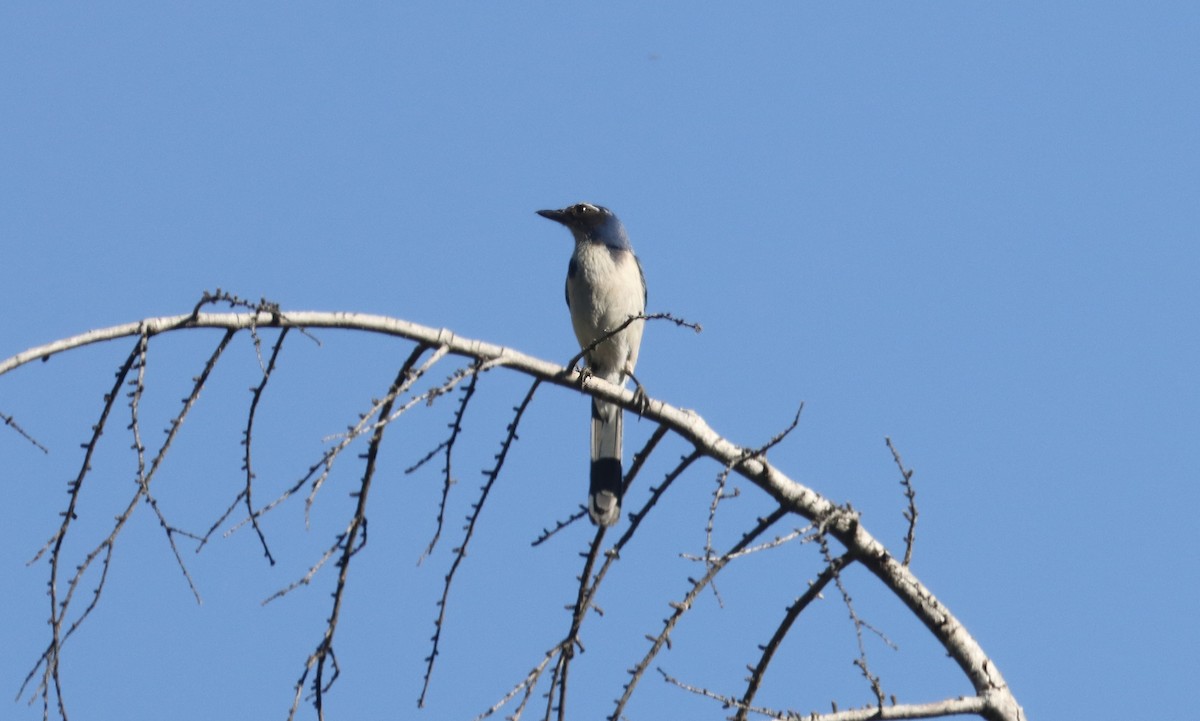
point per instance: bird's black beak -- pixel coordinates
(558, 216)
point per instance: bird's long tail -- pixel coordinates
(604, 494)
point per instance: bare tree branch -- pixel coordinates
(754, 682)
(49, 661)
(448, 446)
(910, 514)
(351, 541)
(939, 709)
(682, 607)
(248, 438)
(993, 700)
(12, 423)
(460, 553)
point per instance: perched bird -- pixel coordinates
(605, 287)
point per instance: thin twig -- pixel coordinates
(625, 324)
(386, 416)
(526, 684)
(682, 607)
(247, 442)
(961, 706)
(460, 553)
(448, 479)
(910, 493)
(815, 587)
(105, 547)
(583, 603)
(590, 585)
(778, 437)
(12, 423)
(726, 701)
(144, 477)
(351, 541)
(49, 661)
(548, 533)
(710, 556)
(859, 625)
(804, 535)
(364, 425)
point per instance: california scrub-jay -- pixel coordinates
(605, 287)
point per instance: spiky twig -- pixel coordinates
(350, 542)
(527, 684)
(589, 584)
(365, 424)
(859, 624)
(460, 553)
(247, 442)
(448, 446)
(910, 493)
(58, 608)
(625, 324)
(682, 607)
(144, 477)
(12, 423)
(726, 701)
(815, 587)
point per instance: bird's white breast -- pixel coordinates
(605, 291)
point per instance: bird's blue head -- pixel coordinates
(591, 223)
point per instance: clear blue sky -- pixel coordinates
(970, 227)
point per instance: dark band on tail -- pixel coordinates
(604, 497)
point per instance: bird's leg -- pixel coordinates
(640, 399)
(584, 374)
